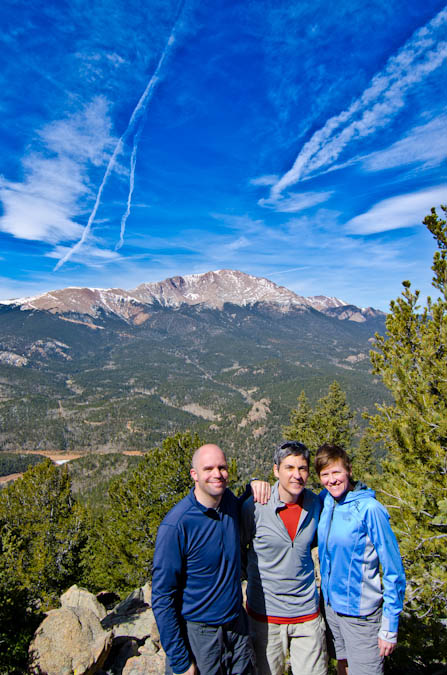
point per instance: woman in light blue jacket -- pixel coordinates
(354, 540)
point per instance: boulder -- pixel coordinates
(138, 625)
(69, 641)
(133, 617)
(151, 661)
(80, 597)
(140, 597)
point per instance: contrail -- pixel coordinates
(133, 161)
(378, 104)
(136, 117)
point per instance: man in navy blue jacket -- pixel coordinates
(196, 587)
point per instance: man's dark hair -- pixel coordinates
(290, 448)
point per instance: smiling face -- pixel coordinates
(336, 479)
(292, 474)
(210, 474)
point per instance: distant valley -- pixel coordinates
(223, 353)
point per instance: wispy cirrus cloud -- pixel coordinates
(295, 201)
(407, 210)
(269, 179)
(425, 144)
(43, 207)
(93, 255)
(376, 107)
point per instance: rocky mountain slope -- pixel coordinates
(222, 354)
(212, 289)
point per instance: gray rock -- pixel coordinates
(138, 625)
(151, 661)
(140, 597)
(69, 641)
(133, 617)
(80, 597)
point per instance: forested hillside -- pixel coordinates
(231, 375)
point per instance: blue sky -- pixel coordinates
(299, 141)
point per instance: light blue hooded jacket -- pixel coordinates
(354, 537)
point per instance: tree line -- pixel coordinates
(49, 539)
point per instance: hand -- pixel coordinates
(261, 491)
(386, 648)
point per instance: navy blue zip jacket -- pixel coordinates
(196, 571)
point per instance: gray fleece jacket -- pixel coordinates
(280, 572)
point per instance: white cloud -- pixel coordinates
(44, 206)
(91, 255)
(237, 244)
(295, 201)
(376, 107)
(406, 210)
(269, 179)
(425, 144)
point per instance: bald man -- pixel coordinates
(196, 581)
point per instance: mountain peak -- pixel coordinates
(216, 288)
(212, 289)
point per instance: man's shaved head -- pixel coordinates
(203, 450)
(210, 474)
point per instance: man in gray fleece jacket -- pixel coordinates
(282, 597)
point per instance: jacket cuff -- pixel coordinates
(180, 668)
(390, 624)
(388, 635)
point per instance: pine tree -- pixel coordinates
(19, 614)
(39, 514)
(121, 542)
(412, 361)
(364, 465)
(331, 421)
(300, 427)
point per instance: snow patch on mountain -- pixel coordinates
(210, 289)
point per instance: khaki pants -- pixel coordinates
(305, 642)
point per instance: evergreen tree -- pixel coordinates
(331, 421)
(301, 427)
(411, 359)
(19, 615)
(121, 542)
(39, 514)
(364, 465)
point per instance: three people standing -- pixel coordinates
(196, 577)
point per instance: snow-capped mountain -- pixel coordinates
(211, 289)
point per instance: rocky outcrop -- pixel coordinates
(12, 359)
(82, 638)
(69, 640)
(79, 598)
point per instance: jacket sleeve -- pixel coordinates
(393, 575)
(166, 596)
(247, 528)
